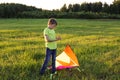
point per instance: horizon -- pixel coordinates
(54, 4)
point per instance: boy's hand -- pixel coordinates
(58, 38)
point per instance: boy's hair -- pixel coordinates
(52, 21)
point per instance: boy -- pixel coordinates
(51, 45)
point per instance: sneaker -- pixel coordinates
(51, 76)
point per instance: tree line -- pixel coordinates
(93, 7)
(12, 10)
(85, 10)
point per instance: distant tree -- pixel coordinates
(106, 8)
(116, 1)
(86, 7)
(1, 11)
(89, 5)
(83, 6)
(64, 8)
(96, 7)
(76, 7)
(11, 10)
(70, 8)
(116, 5)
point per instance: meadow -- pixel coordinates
(96, 44)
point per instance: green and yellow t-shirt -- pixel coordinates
(52, 36)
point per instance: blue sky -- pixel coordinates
(53, 4)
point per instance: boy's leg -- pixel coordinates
(53, 61)
(47, 58)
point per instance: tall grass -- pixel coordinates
(95, 42)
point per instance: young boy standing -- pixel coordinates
(51, 45)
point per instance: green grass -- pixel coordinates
(95, 42)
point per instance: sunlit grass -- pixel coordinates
(96, 43)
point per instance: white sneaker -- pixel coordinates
(51, 75)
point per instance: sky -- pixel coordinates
(52, 4)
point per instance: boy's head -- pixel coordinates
(52, 23)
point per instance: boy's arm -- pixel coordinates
(48, 39)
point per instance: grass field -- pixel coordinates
(95, 42)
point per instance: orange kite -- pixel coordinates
(66, 59)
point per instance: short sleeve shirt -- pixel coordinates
(52, 36)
